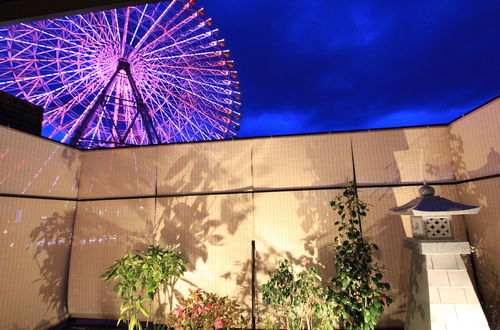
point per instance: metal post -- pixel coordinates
(254, 293)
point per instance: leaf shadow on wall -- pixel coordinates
(317, 217)
(478, 231)
(386, 230)
(118, 172)
(196, 224)
(104, 232)
(51, 241)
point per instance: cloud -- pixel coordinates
(414, 117)
(278, 122)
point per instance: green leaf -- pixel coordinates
(124, 308)
(144, 311)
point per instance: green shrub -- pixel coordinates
(138, 277)
(297, 299)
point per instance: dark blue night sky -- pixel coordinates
(325, 65)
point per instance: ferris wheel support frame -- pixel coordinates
(141, 109)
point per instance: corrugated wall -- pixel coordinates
(33, 166)
(35, 232)
(475, 152)
(210, 200)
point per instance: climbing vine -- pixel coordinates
(358, 289)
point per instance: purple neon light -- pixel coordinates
(176, 59)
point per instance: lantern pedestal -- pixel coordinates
(440, 294)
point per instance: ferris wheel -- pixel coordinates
(155, 73)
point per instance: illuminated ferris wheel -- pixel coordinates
(156, 73)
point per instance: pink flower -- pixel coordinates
(201, 310)
(218, 324)
(208, 306)
(178, 312)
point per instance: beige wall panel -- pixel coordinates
(31, 165)
(104, 232)
(204, 167)
(302, 161)
(214, 234)
(484, 234)
(35, 239)
(458, 227)
(297, 226)
(402, 155)
(475, 142)
(388, 233)
(124, 172)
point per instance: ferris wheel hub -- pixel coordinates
(109, 56)
(123, 64)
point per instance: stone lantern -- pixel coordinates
(441, 294)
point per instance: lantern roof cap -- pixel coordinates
(429, 205)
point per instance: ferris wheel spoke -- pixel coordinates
(214, 87)
(78, 37)
(200, 97)
(61, 111)
(71, 84)
(112, 32)
(18, 80)
(39, 60)
(115, 20)
(39, 45)
(180, 113)
(167, 120)
(125, 29)
(180, 100)
(84, 30)
(154, 25)
(57, 92)
(139, 22)
(45, 32)
(184, 42)
(214, 119)
(201, 55)
(174, 28)
(74, 126)
(209, 71)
